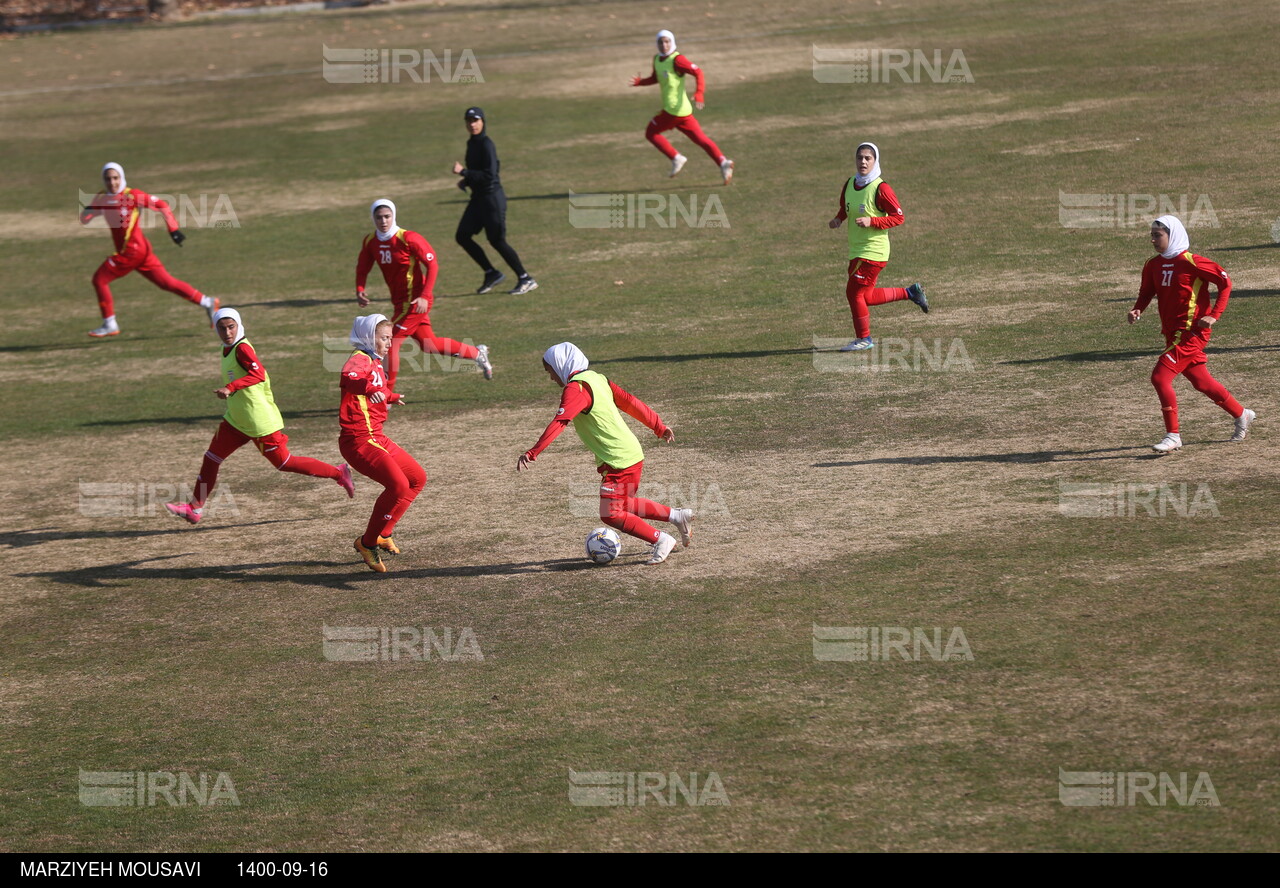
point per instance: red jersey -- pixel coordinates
(360, 417)
(682, 66)
(886, 201)
(1179, 287)
(121, 212)
(408, 264)
(576, 398)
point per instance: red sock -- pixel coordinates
(1198, 375)
(881, 295)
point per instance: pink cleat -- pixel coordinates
(345, 481)
(182, 510)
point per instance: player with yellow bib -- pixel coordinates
(669, 70)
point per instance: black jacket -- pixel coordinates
(481, 174)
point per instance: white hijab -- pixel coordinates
(363, 331)
(565, 359)
(1179, 243)
(235, 316)
(861, 181)
(395, 229)
(666, 33)
(119, 169)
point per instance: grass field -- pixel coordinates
(914, 496)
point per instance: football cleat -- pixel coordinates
(184, 511)
(683, 520)
(662, 548)
(345, 481)
(726, 170)
(1243, 421)
(370, 556)
(212, 308)
(858, 345)
(1168, 443)
(491, 279)
(916, 294)
(677, 164)
(526, 284)
(109, 328)
(482, 361)
(387, 544)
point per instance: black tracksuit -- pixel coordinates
(488, 207)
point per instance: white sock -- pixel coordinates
(109, 322)
(206, 301)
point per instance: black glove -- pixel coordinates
(178, 236)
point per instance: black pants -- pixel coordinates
(487, 212)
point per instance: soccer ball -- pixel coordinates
(603, 545)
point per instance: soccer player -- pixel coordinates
(122, 206)
(487, 208)
(409, 267)
(591, 402)
(1177, 278)
(669, 70)
(251, 415)
(366, 394)
(872, 206)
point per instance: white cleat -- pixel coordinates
(726, 170)
(662, 548)
(482, 361)
(683, 520)
(1242, 426)
(108, 328)
(677, 164)
(1168, 444)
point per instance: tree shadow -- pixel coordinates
(21, 538)
(199, 420)
(345, 575)
(1271, 246)
(1029, 458)
(297, 303)
(706, 356)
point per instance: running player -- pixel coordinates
(669, 70)
(487, 209)
(872, 206)
(122, 206)
(251, 415)
(409, 267)
(591, 402)
(365, 397)
(1177, 278)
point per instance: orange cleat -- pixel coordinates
(371, 557)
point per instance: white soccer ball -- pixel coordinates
(603, 545)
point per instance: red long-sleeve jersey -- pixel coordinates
(886, 200)
(408, 264)
(121, 212)
(358, 416)
(248, 359)
(576, 398)
(1179, 287)
(682, 66)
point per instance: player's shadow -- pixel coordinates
(706, 356)
(19, 539)
(1030, 458)
(296, 303)
(1235, 294)
(199, 420)
(1096, 357)
(518, 197)
(345, 575)
(1271, 246)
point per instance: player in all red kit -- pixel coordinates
(668, 72)
(872, 208)
(366, 393)
(1177, 279)
(409, 266)
(251, 415)
(122, 207)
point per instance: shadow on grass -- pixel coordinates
(1235, 294)
(198, 420)
(1032, 457)
(297, 303)
(21, 538)
(706, 356)
(344, 575)
(1272, 246)
(1103, 356)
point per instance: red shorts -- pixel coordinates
(1185, 349)
(620, 483)
(228, 439)
(406, 323)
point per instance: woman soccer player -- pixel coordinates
(487, 209)
(409, 267)
(251, 415)
(1177, 279)
(121, 206)
(365, 396)
(669, 70)
(591, 402)
(871, 204)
